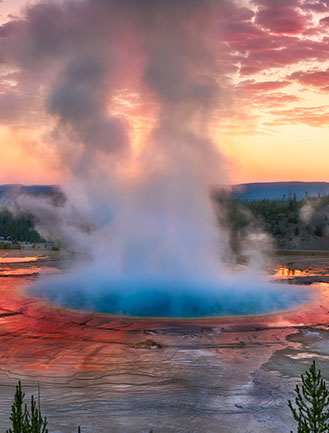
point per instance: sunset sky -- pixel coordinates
(272, 122)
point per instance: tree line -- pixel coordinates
(20, 228)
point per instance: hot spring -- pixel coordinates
(239, 295)
(136, 113)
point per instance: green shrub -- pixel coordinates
(312, 402)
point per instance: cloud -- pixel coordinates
(269, 100)
(264, 42)
(316, 6)
(280, 17)
(277, 35)
(324, 22)
(312, 78)
(292, 52)
(317, 116)
(262, 86)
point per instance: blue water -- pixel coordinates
(154, 298)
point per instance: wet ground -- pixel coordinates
(126, 375)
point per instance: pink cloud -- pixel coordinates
(324, 21)
(276, 99)
(241, 30)
(311, 116)
(268, 37)
(232, 12)
(281, 17)
(263, 86)
(319, 79)
(293, 53)
(279, 36)
(276, 3)
(316, 6)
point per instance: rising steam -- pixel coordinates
(135, 89)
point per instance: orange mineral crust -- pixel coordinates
(97, 370)
(38, 337)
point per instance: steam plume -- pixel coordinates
(141, 211)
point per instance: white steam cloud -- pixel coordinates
(143, 216)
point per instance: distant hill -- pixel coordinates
(12, 189)
(244, 191)
(276, 190)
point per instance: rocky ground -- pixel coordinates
(121, 375)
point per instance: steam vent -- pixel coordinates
(164, 215)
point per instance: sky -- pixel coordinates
(272, 118)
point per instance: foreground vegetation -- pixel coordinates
(312, 402)
(311, 410)
(25, 420)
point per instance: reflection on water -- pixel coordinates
(19, 272)
(288, 272)
(6, 259)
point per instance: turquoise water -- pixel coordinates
(155, 298)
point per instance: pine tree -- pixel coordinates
(23, 420)
(36, 423)
(18, 412)
(312, 401)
